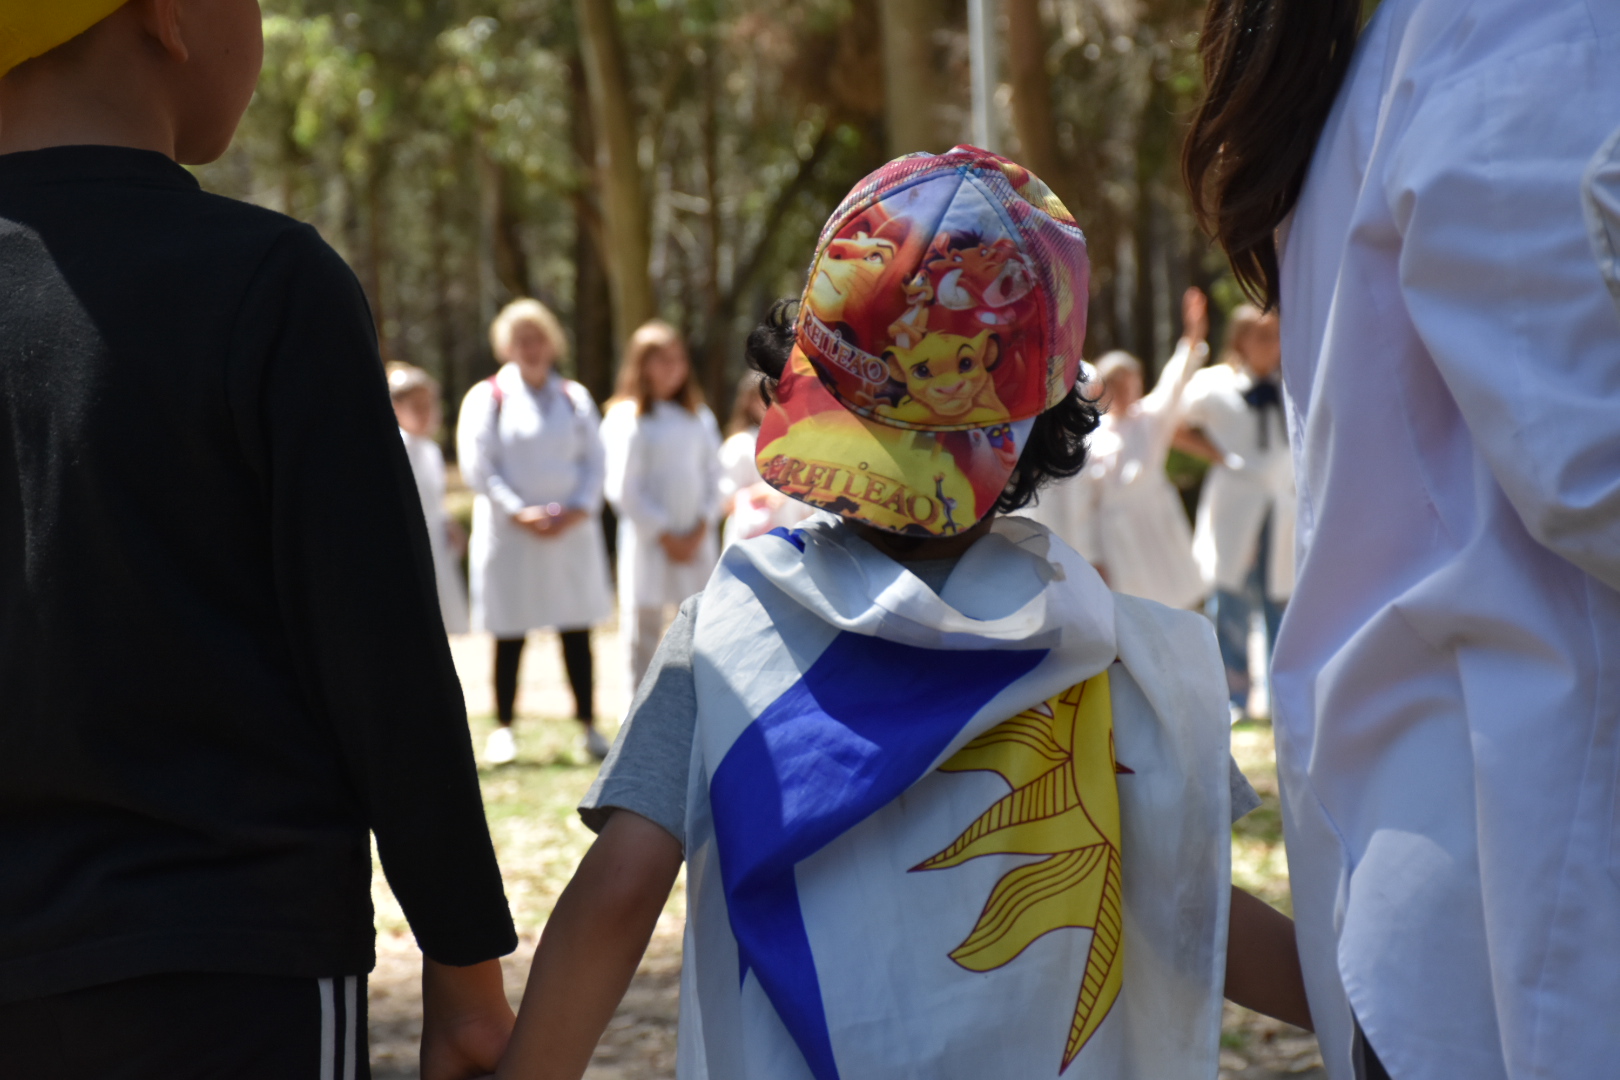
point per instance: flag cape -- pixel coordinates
(978, 834)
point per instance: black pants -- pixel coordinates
(191, 1026)
(576, 650)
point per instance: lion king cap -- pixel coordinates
(30, 28)
(945, 310)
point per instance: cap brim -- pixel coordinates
(924, 483)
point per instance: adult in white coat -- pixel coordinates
(417, 408)
(530, 448)
(1243, 542)
(663, 479)
(1448, 706)
(1142, 543)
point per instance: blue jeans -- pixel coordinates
(1231, 612)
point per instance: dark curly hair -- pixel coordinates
(1055, 449)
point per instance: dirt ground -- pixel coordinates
(539, 839)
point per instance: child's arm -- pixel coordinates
(591, 946)
(1262, 961)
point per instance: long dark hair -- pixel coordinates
(1271, 71)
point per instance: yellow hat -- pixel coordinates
(29, 28)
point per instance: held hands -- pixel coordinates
(548, 521)
(466, 1021)
(682, 547)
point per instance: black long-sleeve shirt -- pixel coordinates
(221, 655)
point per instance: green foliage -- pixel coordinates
(444, 148)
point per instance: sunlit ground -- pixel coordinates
(539, 839)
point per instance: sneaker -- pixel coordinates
(595, 744)
(501, 747)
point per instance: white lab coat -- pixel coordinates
(1235, 501)
(1448, 675)
(663, 476)
(427, 465)
(1142, 539)
(755, 508)
(1068, 507)
(538, 447)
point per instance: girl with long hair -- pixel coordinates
(1447, 712)
(663, 479)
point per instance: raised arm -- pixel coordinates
(591, 946)
(1191, 352)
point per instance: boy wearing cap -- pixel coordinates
(221, 655)
(948, 807)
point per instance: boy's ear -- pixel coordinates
(161, 19)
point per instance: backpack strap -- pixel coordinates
(496, 394)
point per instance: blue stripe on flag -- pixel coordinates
(859, 728)
(795, 537)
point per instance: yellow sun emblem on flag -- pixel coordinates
(1059, 760)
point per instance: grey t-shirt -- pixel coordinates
(646, 771)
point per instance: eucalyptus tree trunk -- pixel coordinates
(625, 218)
(912, 84)
(1032, 96)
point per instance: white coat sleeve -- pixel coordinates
(1087, 500)
(478, 446)
(627, 485)
(587, 493)
(1497, 276)
(711, 435)
(1165, 399)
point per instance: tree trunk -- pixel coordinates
(593, 301)
(376, 232)
(715, 375)
(912, 85)
(625, 217)
(1032, 97)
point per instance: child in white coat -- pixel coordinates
(663, 480)
(1142, 544)
(420, 413)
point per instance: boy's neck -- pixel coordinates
(906, 549)
(86, 93)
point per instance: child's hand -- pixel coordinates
(590, 948)
(466, 1021)
(1194, 315)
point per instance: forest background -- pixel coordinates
(625, 159)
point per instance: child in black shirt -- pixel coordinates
(221, 658)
